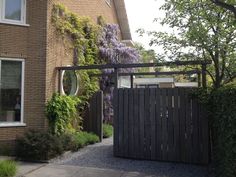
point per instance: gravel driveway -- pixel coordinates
(101, 156)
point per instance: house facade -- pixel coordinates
(30, 51)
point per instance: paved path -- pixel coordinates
(101, 156)
(98, 161)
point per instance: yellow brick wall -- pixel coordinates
(43, 50)
(28, 43)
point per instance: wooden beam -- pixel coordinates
(204, 81)
(132, 81)
(134, 65)
(116, 77)
(150, 73)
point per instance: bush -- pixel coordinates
(107, 130)
(69, 142)
(84, 138)
(38, 146)
(222, 108)
(7, 168)
(62, 114)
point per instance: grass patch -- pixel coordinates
(7, 168)
(107, 130)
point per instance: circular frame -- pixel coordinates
(74, 83)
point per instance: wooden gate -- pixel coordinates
(94, 115)
(160, 124)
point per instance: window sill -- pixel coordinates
(14, 24)
(2, 125)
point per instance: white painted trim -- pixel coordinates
(22, 91)
(21, 123)
(12, 124)
(13, 22)
(108, 2)
(62, 92)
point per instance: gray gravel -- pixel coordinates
(101, 156)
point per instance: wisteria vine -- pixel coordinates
(112, 51)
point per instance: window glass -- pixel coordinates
(70, 83)
(13, 10)
(10, 91)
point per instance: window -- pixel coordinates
(70, 83)
(11, 91)
(13, 11)
(108, 2)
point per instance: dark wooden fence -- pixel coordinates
(160, 124)
(94, 115)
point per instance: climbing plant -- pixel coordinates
(112, 51)
(83, 34)
(93, 44)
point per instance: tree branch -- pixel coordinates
(227, 6)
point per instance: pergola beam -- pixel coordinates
(135, 65)
(151, 73)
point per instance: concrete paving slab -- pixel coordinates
(25, 168)
(73, 171)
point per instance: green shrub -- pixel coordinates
(69, 142)
(37, 145)
(62, 114)
(107, 130)
(7, 168)
(222, 108)
(84, 138)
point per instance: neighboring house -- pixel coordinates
(161, 82)
(30, 51)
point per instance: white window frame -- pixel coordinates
(13, 22)
(108, 2)
(21, 123)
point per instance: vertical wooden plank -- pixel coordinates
(94, 110)
(121, 122)
(131, 121)
(116, 122)
(170, 126)
(141, 123)
(204, 136)
(126, 123)
(188, 132)
(153, 122)
(135, 124)
(164, 125)
(195, 140)
(204, 80)
(99, 114)
(158, 126)
(182, 125)
(176, 126)
(147, 125)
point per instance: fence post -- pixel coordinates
(204, 82)
(131, 81)
(116, 77)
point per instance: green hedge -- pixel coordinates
(36, 145)
(107, 130)
(7, 168)
(84, 138)
(222, 109)
(39, 146)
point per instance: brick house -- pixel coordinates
(29, 53)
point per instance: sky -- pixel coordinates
(141, 14)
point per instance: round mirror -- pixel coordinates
(69, 82)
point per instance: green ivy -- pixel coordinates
(222, 106)
(84, 34)
(62, 114)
